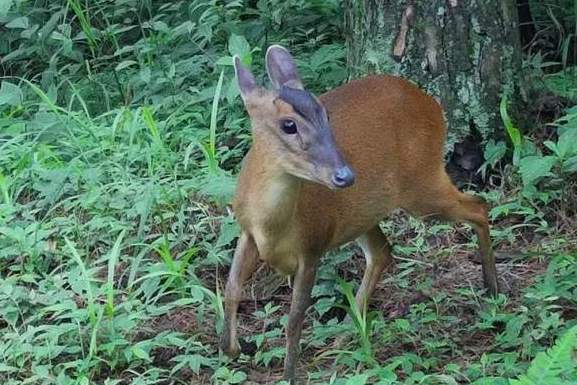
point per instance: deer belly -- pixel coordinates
(281, 255)
(282, 264)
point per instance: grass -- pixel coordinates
(117, 159)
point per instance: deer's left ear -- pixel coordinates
(281, 68)
(245, 79)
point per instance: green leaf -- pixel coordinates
(512, 131)
(570, 165)
(108, 381)
(552, 146)
(7, 368)
(550, 365)
(360, 379)
(532, 168)
(567, 143)
(4, 186)
(140, 353)
(494, 151)
(237, 378)
(210, 147)
(10, 94)
(238, 45)
(491, 381)
(125, 64)
(112, 260)
(192, 361)
(5, 6)
(225, 61)
(86, 279)
(19, 22)
(441, 379)
(229, 230)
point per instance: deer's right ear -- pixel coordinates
(245, 79)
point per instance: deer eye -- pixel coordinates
(288, 126)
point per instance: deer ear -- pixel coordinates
(245, 79)
(281, 68)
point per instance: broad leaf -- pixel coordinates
(360, 379)
(140, 353)
(5, 6)
(533, 168)
(238, 45)
(19, 22)
(567, 143)
(237, 378)
(10, 94)
(570, 165)
(494, 151)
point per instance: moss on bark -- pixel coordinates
(465, 53)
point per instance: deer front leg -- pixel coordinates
(304, 280)
(243, 265)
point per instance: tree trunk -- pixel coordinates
(466, 53)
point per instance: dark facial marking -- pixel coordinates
(304, 103)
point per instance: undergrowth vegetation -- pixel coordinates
(121, 131)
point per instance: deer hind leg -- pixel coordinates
(243, 265)
(377, 251)
(455, 206)
(473, 210)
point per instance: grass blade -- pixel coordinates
(112, 261)
(86, 278)
(512, 131)
(212, 163)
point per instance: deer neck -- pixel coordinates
(278, 194)
(279, 198)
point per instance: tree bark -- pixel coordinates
(466, 53)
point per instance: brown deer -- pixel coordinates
(325, 171)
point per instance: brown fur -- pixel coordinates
(391, 134)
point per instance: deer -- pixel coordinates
(324, 171)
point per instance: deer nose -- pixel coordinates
(343, 177)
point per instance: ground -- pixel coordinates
(440, 281)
